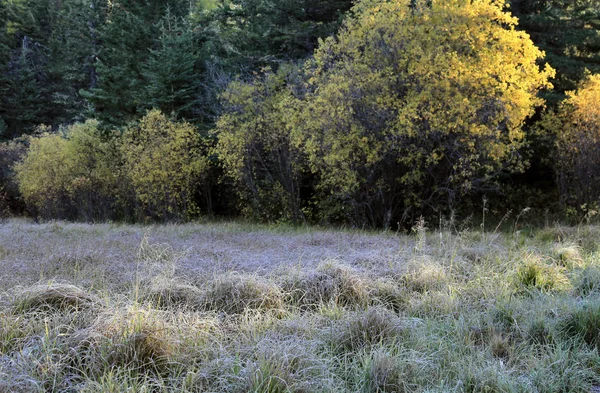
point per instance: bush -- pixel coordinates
(165, 167)
(393, 125)
(255, 147)
(577, 129)
(72, 174)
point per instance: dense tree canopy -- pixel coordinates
(258, 32)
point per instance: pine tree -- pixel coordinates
(74, 46)
(256, 33)
(126, 35)
(24, 78)
(23, 89)
(569, 32)
(172, 70)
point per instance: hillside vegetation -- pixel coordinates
(246, 308)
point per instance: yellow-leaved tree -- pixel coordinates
(164, 163)
(414, 104)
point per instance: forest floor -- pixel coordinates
(232, 307)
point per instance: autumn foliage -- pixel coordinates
(71, 174)
(409, 108)
(413, 108)
(164, 164)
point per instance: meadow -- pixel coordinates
(234, 307)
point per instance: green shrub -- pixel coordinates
(576, 126)
(255, 147)
(391, 125)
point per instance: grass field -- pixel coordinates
(240, 308)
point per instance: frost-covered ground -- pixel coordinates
(244, 308)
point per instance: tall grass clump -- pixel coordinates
(568, 255)
(387, 293)
(584, 323)
(533, 273)
(54, 297)
(123, 340)
(330, 282)
(155, 277)
(564, 368)
(588, 281)
(365, 329)
(173, 296)
(287, 364)
(233, 293)
(389, 370)
(425, 274)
